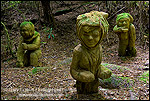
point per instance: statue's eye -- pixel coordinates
(95, 35)
(120, 22)
(95, 32)
(86, 35)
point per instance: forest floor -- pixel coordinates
(52, 80)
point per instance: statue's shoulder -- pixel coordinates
(100, 48)
(36, 33)
(132, 26)
(78, 49)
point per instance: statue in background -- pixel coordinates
(86, 65)
(28, 52)
(126, 33)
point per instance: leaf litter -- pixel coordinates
(128, 82)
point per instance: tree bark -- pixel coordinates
(48, 15)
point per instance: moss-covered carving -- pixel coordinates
(86, 65)
(126, 33)
(28, 52)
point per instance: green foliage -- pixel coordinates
(13, 5)
(49, 31)
(34, 70)
(37, 69)
(9, 4)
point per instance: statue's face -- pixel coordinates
(90, 35)
(124, 23)
(26, 32)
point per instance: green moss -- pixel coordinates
(117, 81)
(121, 16)
(25, 23)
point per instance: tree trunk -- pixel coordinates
(48, 16)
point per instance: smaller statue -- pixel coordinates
(126, 33)
(28, 52)
(86, 65)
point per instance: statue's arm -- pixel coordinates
(77, 72)
(35, 45)
(20, 51)
(132, 33)
(74, 65)
(117, 29)
(104, 72)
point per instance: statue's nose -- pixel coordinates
(90, 37)
(124, 22)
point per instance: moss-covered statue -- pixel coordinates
(28, 52)
(126, 33)
(86, 65)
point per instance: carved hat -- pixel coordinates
(93, 18)
(124, 15)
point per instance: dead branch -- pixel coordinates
(72, 9)
(116, 13)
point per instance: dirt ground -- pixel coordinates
(55, 78)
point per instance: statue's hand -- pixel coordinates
(24, 45)
(105, 74)
(124, 29)
(87, 76)
(19, 64)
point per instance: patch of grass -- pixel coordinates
(117, 82)
(128, 80)
(37, 69)
(115, 67)
(145, 77)
(123, 58)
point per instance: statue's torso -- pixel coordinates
(123, 35)
(90, 59)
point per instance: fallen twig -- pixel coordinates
(116, 12)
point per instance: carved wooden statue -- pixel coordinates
(126, 33)
(86, 65)
(28, 52)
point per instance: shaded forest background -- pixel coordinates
(63, 28)
(56, 23)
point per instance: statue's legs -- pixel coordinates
(131, 51)
(26, 58)
(34, 57)
(122, 48)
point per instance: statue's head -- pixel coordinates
(124, 20)
(27, 29)
(92, 27)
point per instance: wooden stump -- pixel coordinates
(87, 87)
